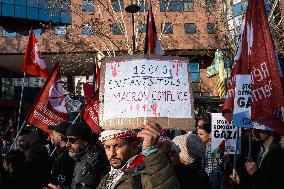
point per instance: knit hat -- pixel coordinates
(81, 130)
(117, 134)
(189, 147)
(60, 128)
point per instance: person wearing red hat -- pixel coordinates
(150, 169)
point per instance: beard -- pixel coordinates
(74, 153)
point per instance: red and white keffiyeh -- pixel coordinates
(117, 134)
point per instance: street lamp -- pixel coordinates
(133, 8)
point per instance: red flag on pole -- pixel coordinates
(90, 112)
(33, 62)
(256, 56)
(152, 44)
(49, 106)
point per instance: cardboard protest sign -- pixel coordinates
(224, 135)
(139, 87)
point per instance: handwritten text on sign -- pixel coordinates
(146, 88)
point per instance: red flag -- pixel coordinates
(90, 112)
(49, 106)
(256, 56)
(33, 62)
(98, 73)
(152, 44)
(88, 91)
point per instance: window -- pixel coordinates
(88, 29)
(211, 28)
(60, 30)
(143, 6)
(167, 28)
(176, 5)
(7, 10)
(20, 11)
(194, 72)
(117, 29)
(32, 13)
(239, 8)
(88, 6)
(210, 5)
(141, 28)
(43, 15)
(190, 28)
(21, 2)
(65, 17)
(55, 14)
(117, 5)
(8, 33)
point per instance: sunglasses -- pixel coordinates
(71, 140)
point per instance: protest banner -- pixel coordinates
(224, 135)
(139, 87)
(49, 106)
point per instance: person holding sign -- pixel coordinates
(266, 171)
(211, 164)
(151, 169)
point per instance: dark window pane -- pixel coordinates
(190, 28)
(117, 5)
(142, 28)
(211, 28)
(88, 6)
(210, 5)
(55, 15)
(188, 6)
(32, 3)
(7, 33)
(7, 10)
(8, 1)
(60, 30)
(194, 67)
(195, 77)
(167, 28)
(66, 17)
(21, 2)
(20, 12)
(88, 30)
(32, 13)
(143, 6)
(239, 8)
(117, 29)
(43, 14)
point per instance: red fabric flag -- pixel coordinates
(152, 44)
(88, 91)
(33, 62)
(98, 73)
(49, 106)
(90, 112)
(256, 56)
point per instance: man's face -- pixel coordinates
(23, 142)
(260, 135)
(119, 151)
(56, 138)
(75, 146)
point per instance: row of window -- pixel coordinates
(165, 5)
(24, 9)
(118, 29)
(11, 33)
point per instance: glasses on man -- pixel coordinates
(71, 140)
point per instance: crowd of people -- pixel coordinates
(73, 157)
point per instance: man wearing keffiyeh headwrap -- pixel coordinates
(150, 169)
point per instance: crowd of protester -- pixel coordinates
(71, 156)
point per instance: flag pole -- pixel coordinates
(18, 133)
(235, 155)
(21, 101)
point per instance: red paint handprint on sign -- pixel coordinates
(154, 108)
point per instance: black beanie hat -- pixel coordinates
(80, 130)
